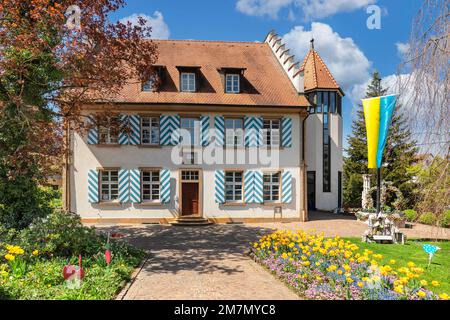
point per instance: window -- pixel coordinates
(150, 84)
(333, 102)
(150, 130)
(325, 100)
(232, 83)
(339, 104)
(319, 102)
(109, 181)
(233, 186)
(150, 185)
(234, 132)
(108, 131)
(326, 154)
(191, 128)
(271, 132)
(271, 187)
(187, 82)
(190, 175)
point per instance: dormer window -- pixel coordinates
(188, 82)
(155, 80)
(149, 85)
(232, 83)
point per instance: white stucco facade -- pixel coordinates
(95, 157)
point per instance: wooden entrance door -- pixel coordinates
(189, 193)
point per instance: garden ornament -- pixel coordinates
(107, 252)
(431, 250)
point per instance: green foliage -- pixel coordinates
(57, 241)
(427, 218)
(23, 200)
(445, 220)
(411, 215)
(399, 154)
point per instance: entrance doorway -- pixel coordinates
(190, 193)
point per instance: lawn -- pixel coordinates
(412, 251)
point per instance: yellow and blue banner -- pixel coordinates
(378, 115)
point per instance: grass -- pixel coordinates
(413, 251)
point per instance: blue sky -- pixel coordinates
(351, 50)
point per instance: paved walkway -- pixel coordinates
(210, 262)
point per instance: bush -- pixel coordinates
(23, 201)
(411, 215)
(428, 218)
(445, 221)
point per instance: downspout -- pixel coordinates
(303, 168)
(67, 205)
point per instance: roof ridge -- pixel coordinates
(207, 41)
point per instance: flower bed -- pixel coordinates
(32, 261)
(335, 269)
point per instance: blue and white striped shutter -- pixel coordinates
(205, 130)
(220, 186)
(93, 186)
(123, 134)
(248, 186)
(164, 185)
(169, 130)
(253, 131)
(219, 125)
(93, 132)
(135, 126)
(135, 186)
(286, 187)
(124, 186)
(286, 132)
(258, 187)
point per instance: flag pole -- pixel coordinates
(378, 191)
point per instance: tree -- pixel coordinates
(398, 156)
(50, 69)
(425, 77)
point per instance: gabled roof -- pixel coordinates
(264, 82)
(317, 74)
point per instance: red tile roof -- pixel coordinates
(265, 83)
(317, 74)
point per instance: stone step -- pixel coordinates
(191, 221)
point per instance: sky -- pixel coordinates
(348, 46)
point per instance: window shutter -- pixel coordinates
(286, 134)
(124, 186)
(135, 186)
(135, 126)
(164, 187)
(258, 187)
(219, 125)
(93, 186)
(205, 130)
(93, 132)
(248, 186)
(169, 130)
(124, 136)
(220, 186)
(286, 187)
(253, 131)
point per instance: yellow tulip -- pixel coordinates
(444, 296)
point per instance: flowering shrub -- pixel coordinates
(335, 269)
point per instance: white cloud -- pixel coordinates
(311, 8)
(160, 30)
(402, 48)
(344, 58)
